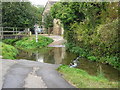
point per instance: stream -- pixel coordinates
(58, 55)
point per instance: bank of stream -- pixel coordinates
(58, 55)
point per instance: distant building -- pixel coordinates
(57, 29)
(42, 6)
(48, 5)
(46, 10)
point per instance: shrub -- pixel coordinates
(10, 41)
(92, 58)
(112, 60)
(8, 51)
(92, 28)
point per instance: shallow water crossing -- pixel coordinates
(58, 55)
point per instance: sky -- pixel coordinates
(40, 2)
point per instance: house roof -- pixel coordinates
(48, 6)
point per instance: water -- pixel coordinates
(58, 55)
(53, 55)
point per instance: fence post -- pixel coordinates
(16, 30)
(1, 32)
(13, 31)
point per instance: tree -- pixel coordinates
(48, 22)
(20, 14)
(92, 26)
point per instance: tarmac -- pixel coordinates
(30, 74)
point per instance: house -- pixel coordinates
(57, 28)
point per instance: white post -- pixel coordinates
(36, 36)
(36, 31)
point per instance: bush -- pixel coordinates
(10, 41)
(8, 51)
(112, 60)
(92, 58)
(91, 29)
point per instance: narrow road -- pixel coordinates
(31, 74)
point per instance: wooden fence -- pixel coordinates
(13, 32)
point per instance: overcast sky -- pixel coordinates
(40, 2)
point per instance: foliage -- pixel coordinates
(91, 29)
(107, 36)
(48, 21)
(82, 79)
(93, 58)
(10, 41)
(20, 14)
(37, 13)
(77, 50)
(112, 60)
(8, 51)
(30, 42)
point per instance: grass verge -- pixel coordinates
(82, 79)
(30, 42)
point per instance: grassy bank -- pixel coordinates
(27, 43)
(82, 79)
(8, 51)
(30, 42)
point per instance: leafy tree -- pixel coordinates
(20, 14)
(92, 26)
(48, 22)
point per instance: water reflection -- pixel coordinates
(58, 55)
(95, 68)
(39, 57)
(55, 56)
